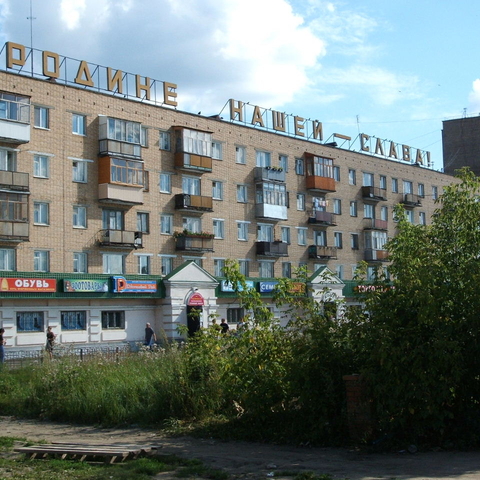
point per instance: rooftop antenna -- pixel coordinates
(31, 18)
(358, 121)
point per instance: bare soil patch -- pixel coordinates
(245, 460)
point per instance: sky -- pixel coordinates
(393, 69)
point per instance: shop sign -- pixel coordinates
(83, 285)
(228, 286)
(28, 285)
(122, 285)
(196, 300)
(266, 287)
(297, 287)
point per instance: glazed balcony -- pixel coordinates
(193, 203)
(375, 224)
(374, 193)
(18, 181)
(320, 184)
(322, 252)
(372, 255)
(323, 218)
(14, 118)
(194, 242)
(120, 239)
(272, 249)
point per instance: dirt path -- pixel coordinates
(255, 461)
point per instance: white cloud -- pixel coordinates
(71, 11)
(474, 97)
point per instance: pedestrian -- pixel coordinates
(224, 326)
(3, 342)
(150, 337)
(50, 341)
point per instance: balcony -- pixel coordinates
(120, 194)
(18, 181)
(323, 218)
(193, 162)
(271, 174)
(375, 224)
(194, 242)
(120, 239)
(374, 193)
(14, 231)
(320, 184)
(372, 255)
(14, 118)
(271, 212)
(184, 201)
(322, 253)
(272, 249)
(120, 149)
(411, 200)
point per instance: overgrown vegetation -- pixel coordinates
(415, 342)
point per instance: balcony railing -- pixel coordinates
(411, 200)
(14, 231)
(191, 242)
(18, 181)
(122, 149)
(321, 184)
(14, 119)
(274, 174)
(322, 218)
(372, 255)
(272, 212)
(272, 249)
(321, 252)
(120, 238)
(184, 201)
(191, 161)
(375, 224)
(374, 193)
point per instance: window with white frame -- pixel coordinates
(15, 107)
(375, 240)
(264, 232)
(164, 142)
(336, 173)
(41, 213)
(79, 124)
(195, 141)
(352, 176)
(383, 182)
(301, 201)
(7, 259)
(79, 216)
(337, 239)
(302, 236)
(410, 216)
(263, 158)
(265, 269)
(8, 160)
(353, 208)
(166, 224)
(337, 206)
(124, 130)
(218, 265)
(113, 263)
(244, 267)
(217, 150)
(283, 162)
(80, 262)
(367, 179)
(286, 269)
(143, 222)
(421, 190)
(270, 193)
(339, 271)
(240, 154)
(73, 320)
(144, 136)
(41, 166)
(242, 231)
(217, 190)
(394, 185)
(112, 319)
(143, 264)
(299, 166)
(41, 117)
(368, 210)
(166, 264)
(30, 321)
(242, 194)
(165, 183)
(41, 261)
(422, 218)
(407, 186)
(320, 238)
(384, 213)
(192, 224)
(285, 233)
(112, 219)
(434, 192)
(218, 228)
(79, 171)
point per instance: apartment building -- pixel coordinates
(117, 211)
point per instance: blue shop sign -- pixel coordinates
(266, 287)
(122, 285)
(228, 286)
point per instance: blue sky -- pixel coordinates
(394, 69)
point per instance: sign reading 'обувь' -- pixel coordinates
(71, 71)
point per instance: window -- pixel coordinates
(320, 238)
(235, 315)
(79, 171)
(217, 190)
(407, 186)
(337, 206)
(112, 219)
(14, 107)
(123, 130)
(79, 124)
(384, 213)
(241, 193)
(41, 117)
(166, 264)
(336, 173)
(166, 183)
(244, 267)
(79, 216)
(271, 194)
(354, 241)
(372, 273)
(337, 239)
(166, 224)
(218, 228)
(286, 269)
(285, 232)
(30, 321)
(367, 179)
(113, 319)
(80, 264)
(240, 155)
(421, 190)
(301, 201)
(144, 137)
(352, 177)
(422, 218)
(299, 166)
(264, 232)
(8, 160)
(283, 162)
(40, 213)
(242, 231)
(353, 208)
(7, 259)
(194, 141)
(217, 150)
(375, 240)
(302, 236)
(113, 263)
(218, 265)
(143, 222)
(74, 320)
(192, 224)
(128, 172)
(40, 166)
(265, 269)
(146, 181)
(339, 271)
(368, 211)
(164, 141)
(434, 192)
(263, 158)
(394, 185)
(13, 207)
(383, 182)
(143, 264)
(41, 261)
(409, 215)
